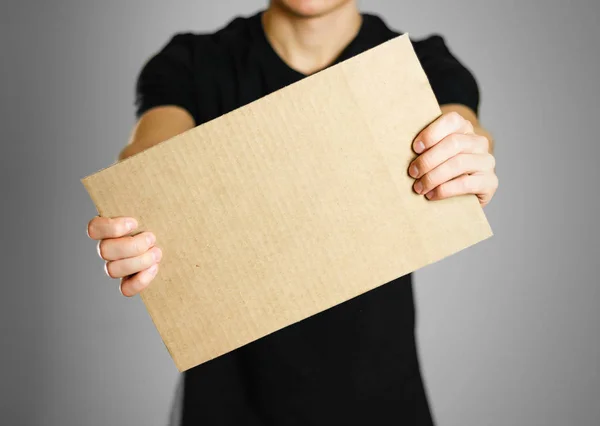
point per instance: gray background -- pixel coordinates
(508, 330)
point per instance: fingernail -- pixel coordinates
(414, 171)
(429, 195)
(130, 224)
(419, 147)
(150, 239)
(418, 187)
(156, 254)
(153, 269)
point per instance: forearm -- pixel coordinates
(155, 126)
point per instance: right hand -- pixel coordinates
(133, 260)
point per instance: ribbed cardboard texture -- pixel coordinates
(289, 205)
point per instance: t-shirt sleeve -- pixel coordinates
(167, 78)
(450, 80)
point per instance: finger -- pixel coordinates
(481, 184)
(455, 166)
(100, 228)
(446, 124)
(448, 147)
(124, 247)
(132, 285)
(123, 267)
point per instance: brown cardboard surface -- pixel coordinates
(289, 205)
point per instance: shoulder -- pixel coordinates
(433, 49)
(430, 47)
(210, 45)
(377, 29)
(451, 80)
(190, 65)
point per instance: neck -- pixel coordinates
(309, 44)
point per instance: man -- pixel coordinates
(354, 364)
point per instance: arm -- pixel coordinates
(165, 96)
(157, 125)
(455, 153)
(166, 104)
(134, 259)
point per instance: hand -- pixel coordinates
(453, 160)
(132, 259)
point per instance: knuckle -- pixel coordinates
(492, 161)
(485, 142)
(454, 117)
(146, 279)
(454, 142)
(427, 182)
(118, 227)
(141, 280)
(424, 164)
(135, 245)
(441, 191)
(468, 125)
(457, 142)
(147, 240)
(146, 261)
(459, 162)
(466, 184)
(421, 164)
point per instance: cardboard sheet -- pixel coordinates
(289, 205)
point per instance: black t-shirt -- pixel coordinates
(354, 364)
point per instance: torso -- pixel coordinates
(354, 364)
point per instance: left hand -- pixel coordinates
(453, 160)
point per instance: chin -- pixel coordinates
(310, 8)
